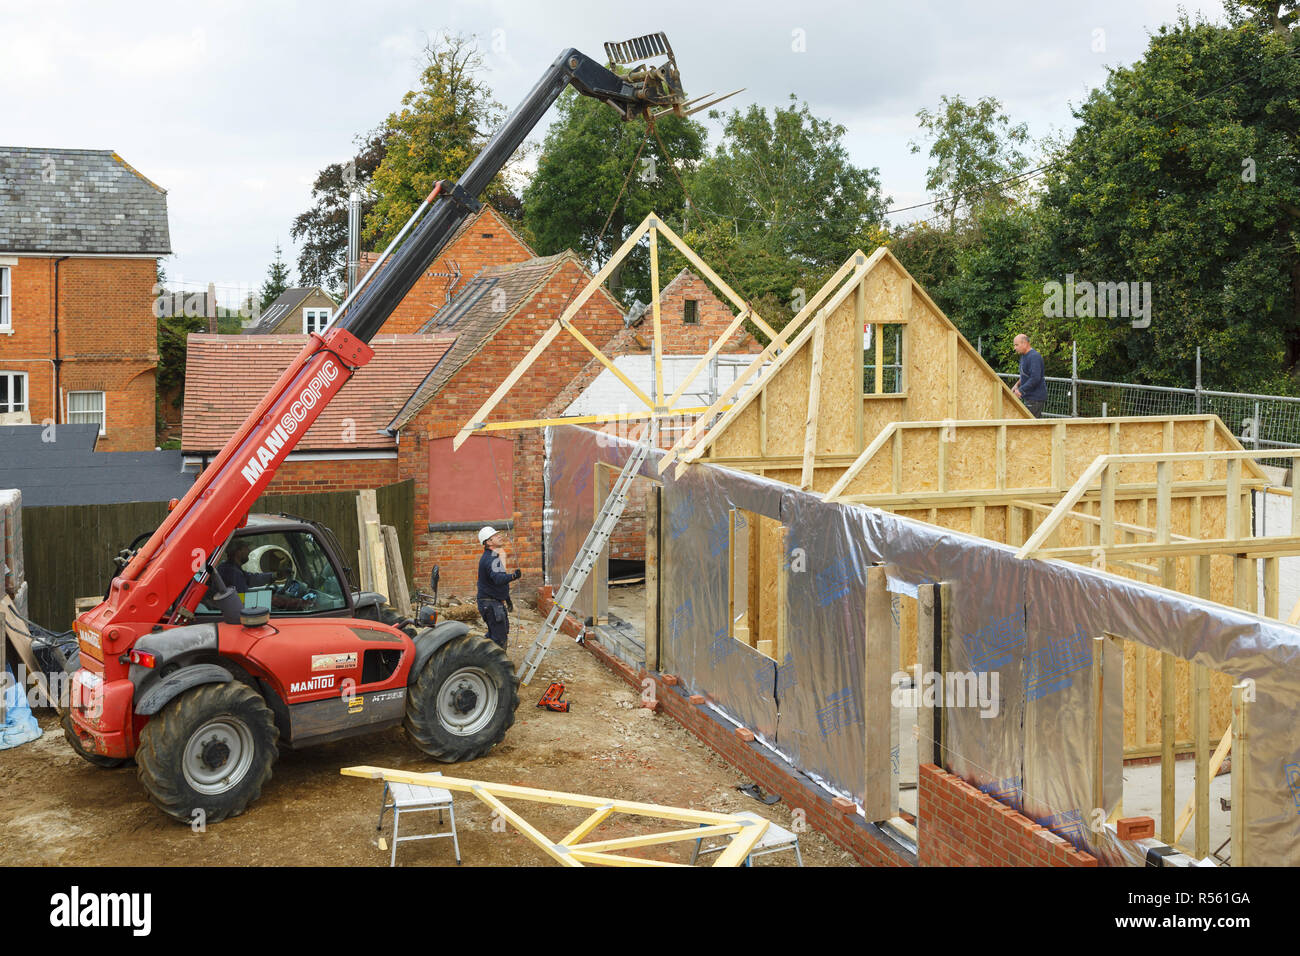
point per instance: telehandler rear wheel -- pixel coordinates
(208, 753)
(464, 700)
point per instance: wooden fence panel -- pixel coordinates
(68, 550)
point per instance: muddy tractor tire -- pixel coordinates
(463, 701)
(207, 754)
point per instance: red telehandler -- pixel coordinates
(204, 707)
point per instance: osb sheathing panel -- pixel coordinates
(1220, 701)
(771, 558)
(878, 414)
(995, 524)
(1143, 438)
(787, 405)
(887, 293)
(975, 392)
(1084, 442)
(955, 519)
(1029, 456)
(841, 382)
(741, 440)
(918, 466)
(906, 632)
(927, 364)
(972, 463)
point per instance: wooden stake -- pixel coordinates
(1168, 714)
(814, 402)
(399, 593)
(877, 689)
(1240, 760)
(654, 312)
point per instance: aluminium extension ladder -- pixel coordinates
(587, 556)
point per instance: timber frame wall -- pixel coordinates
(954, 448)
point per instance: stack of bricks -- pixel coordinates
(960, 825)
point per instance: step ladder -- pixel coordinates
(588, 554)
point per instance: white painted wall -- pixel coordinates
(607, 395)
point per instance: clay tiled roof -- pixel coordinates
(475, 316)
(227, 375)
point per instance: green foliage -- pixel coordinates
(323, 228)
(277, 279)
(1185, 173)
(974, 149)
(441, 127)
(586, 157)
(786, 185)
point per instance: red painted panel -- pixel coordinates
(476, 483)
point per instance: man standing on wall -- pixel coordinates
(494, 585)
(1032, 387)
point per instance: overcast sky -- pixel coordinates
(233, 107)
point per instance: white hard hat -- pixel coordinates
(485, 532)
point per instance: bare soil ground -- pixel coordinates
(55, 809)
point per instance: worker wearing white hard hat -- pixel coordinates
(494, 584)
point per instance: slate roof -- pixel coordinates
(475, 316)
(68, 470)
(227, 375)
(79, 201)
(285, 302)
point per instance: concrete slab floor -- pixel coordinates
(1142, 799)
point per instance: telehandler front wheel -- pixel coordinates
(207, 754)
(464, 700)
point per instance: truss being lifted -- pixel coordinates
(660, 405)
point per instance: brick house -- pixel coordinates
(495, 478)
(297, 311)
(691, 318)
(80, 237)
(347, 448)
(483, 240)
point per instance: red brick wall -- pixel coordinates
(457, 552)
(107, 341)
(714, 317)
(295, 477)
(961, 826)
(307, 477)
(487, 242)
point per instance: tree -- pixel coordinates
(277, 280)
(442, 126)
(1276, 16)
(974, 150)
(586, 158)
(786, 180)
(323, 228)
(781, 203)
(1185, 174)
